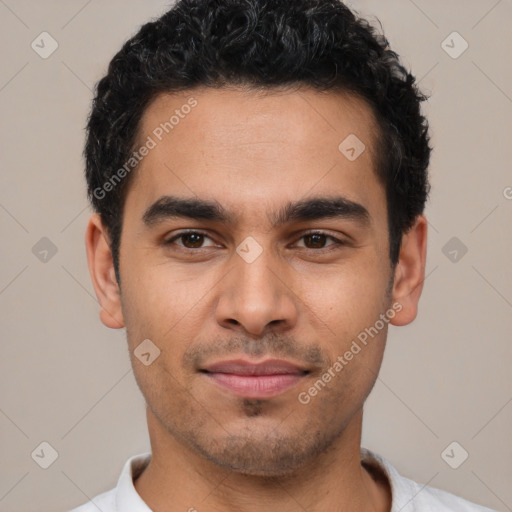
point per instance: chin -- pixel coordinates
(262, 456)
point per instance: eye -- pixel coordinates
(191, 239)
(317, 240)
(314, 240)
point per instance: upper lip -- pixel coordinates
(267, 367)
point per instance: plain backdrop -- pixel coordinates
(66, 379)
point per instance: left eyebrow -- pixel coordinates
(322, 208)
(169, 207)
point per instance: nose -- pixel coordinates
(257, 296)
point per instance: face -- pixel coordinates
(255, 257)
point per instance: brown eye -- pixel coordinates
(317, 240)
(190, 240)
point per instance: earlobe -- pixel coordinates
(410, 272)
(101, 269)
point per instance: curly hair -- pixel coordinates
(261, 44)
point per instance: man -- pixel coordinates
(258, 170)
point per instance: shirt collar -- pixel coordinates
(401, 490)
(127, 498)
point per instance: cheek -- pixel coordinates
(162, 305)
(165, 393)
(154, 294)
(347, 298)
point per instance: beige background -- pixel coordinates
(66, 379)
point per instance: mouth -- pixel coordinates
(246, 379)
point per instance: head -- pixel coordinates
(251, 124)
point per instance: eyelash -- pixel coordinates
(337, 242)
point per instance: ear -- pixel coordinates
(410, 272)
(101, 268)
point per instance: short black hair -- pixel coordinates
(260, 44)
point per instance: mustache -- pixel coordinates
(271, 345)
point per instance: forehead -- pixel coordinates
(246, 147)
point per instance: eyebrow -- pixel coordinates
(171, 207)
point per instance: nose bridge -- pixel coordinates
(254, 293)
(256, 271)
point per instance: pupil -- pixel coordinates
(316, 241)
(192, 235)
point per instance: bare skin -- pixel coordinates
(302, 299)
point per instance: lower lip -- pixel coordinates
(256, 386)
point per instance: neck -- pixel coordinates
(179, 479)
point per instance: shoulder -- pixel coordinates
(411, 496)
(425, 498)
(123, 496)
(104, 502)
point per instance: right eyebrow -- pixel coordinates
(168, 207)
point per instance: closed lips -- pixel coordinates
(273, 367)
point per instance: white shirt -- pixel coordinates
(407, 495)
